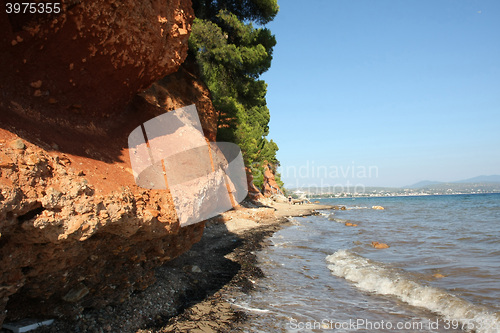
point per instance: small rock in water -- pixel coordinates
(378, 245)
(438, 276)
(349, 224)
(378, 207)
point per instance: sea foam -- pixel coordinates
(375, 277)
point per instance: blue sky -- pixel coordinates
(407, 89)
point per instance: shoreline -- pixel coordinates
(214, 313)
(189, 291)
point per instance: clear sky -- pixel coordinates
(397, 91)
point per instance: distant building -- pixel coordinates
(300, 194)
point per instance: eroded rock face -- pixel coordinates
(75, 230)
(93, 56)
(64, 247)
(253, 191)
(270, 185)
(182, 88)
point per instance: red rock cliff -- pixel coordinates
(75, 231)
(94, 55)
(270, 187)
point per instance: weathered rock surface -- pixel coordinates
(92, 57)
(75, 231)
(270, 187)
(253, 191)
(66, 247)
(183, 88)
(378, 245)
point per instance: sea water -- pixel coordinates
(439, 274)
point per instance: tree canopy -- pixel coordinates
(232, 54)
(259, 11)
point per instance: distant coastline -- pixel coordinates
(434, 189)
(396, 195)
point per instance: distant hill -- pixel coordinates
(481, 179)
(478, 179)
(480, 184)
(423, 183)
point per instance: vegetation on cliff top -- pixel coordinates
(232, 54)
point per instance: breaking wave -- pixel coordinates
(374, 277)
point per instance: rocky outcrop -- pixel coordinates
(182, 88)
(92, 57)
(253, 191)
(67, 247)
(75, 230)
(270, 186)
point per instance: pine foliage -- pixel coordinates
(232, 54)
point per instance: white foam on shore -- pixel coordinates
(356, 207)
(248, 308)
(372, 276)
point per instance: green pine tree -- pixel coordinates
(232, 54)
